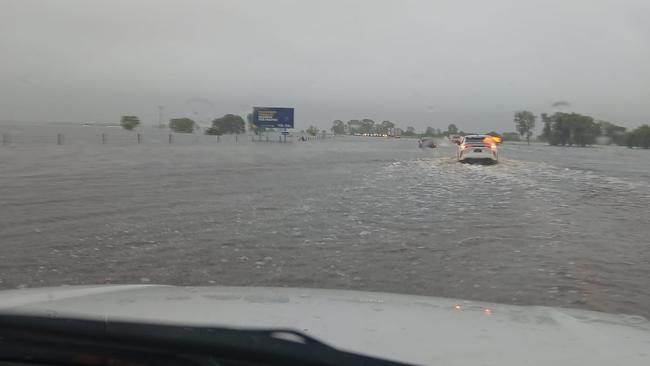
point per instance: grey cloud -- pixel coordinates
(419, 63)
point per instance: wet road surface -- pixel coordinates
(546, 226)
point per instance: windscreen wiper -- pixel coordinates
(39, 340)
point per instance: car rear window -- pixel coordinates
(474, 140)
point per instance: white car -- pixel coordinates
(477, 148)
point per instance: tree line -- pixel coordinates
(574, 129)
(368, 126)
(228, 124)
(560, 129)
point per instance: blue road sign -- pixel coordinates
(272, 117)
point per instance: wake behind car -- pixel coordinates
(477, 148)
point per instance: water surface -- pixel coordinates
(546, 226)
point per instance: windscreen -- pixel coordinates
(265, 143)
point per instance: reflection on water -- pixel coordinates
(548, 226)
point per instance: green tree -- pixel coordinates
(312, 130)
(410, 131)
(561, 130)
(584, 131)
(452, 129)
(129, 122)
(338, 127)
(185, 125)
(384, 127)
(367, 126)
(227, 124)
(547, 130)
(615, 134)
(354, 126)
(639, 137)
(570, 129)
(525, 123)
(429, 132)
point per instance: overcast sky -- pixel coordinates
(416, 63)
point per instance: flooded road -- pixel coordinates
(546, 226)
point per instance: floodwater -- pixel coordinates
(546, 226)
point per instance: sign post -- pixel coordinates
(274, 117)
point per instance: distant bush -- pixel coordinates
(184, 125)
(229, 123)
(410, 131)
(129, 122)
(313, 131)
(639, 137)
(569, 129)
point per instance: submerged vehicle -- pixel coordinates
(147, 324)
(426, 142)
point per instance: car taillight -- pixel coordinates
(465, 146)
(493, 146)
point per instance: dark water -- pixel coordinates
(546, 226)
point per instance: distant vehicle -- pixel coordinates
(426, 142)
(477, 148)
